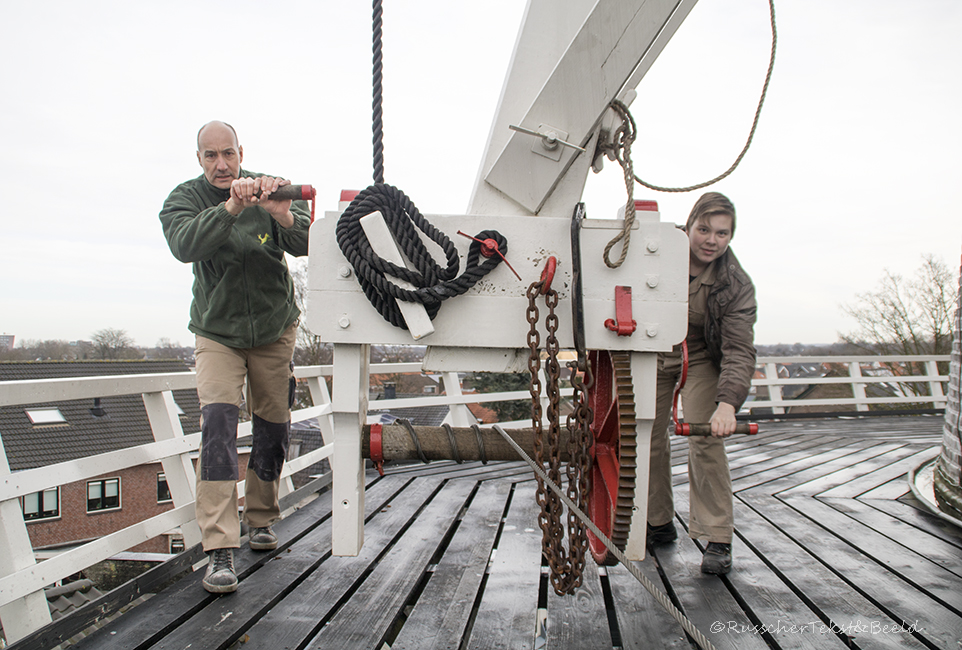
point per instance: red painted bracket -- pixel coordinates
(308, 193)
(547, 274)
(623, 324)
(377, 448)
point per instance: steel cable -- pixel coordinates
(656, 593)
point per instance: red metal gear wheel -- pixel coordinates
(614, 452)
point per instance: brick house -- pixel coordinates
(43, 434)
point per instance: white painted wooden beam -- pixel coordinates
(382, 242)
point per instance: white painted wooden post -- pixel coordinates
(774, 392)
(935, 386)
(352, 371)
(179, 470)
(24, 615)
(858, 388)
(321, 396)
(644, 380)
(460, 414)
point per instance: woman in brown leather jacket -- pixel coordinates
(721, 362)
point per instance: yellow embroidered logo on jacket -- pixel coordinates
(263, 238)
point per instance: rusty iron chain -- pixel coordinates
(566, 565)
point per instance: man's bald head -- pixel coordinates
(217, 125)
(219, 153)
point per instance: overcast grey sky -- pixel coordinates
(855, 166)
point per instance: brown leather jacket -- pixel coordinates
(730, 330)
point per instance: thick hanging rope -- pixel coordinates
(376, 118)
(433, 283)
(620, 149)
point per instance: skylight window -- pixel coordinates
(45, 416)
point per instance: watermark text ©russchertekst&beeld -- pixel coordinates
(856, 627)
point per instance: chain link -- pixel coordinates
(567, 565)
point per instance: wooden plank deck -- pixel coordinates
(831, 551)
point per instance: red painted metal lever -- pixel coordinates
(623, 324)
(489, 248)
(685, 429)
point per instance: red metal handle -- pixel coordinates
(685, 429)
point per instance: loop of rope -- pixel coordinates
(622, 139)
(377, 74)
(432, 282)
(620, 149)
(751, 134)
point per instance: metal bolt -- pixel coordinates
(652, 281)
(344, 271)
(652, 331)
(344, 322)
(652, 246)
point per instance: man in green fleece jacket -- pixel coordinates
(245, 320)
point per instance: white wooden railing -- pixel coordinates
(894, 373)
(23, 607)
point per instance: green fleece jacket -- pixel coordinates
(243, 291)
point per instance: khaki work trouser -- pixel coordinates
(221, 372)
(711, 516)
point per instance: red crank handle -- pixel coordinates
(685, 429)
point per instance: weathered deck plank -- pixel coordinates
(834, 604)
(443, 610)
(315, 600)
(168, 610)
(831, 551)
(642, 622)
(364, 620)
(507, 612)
(899, 600)
(579, 620)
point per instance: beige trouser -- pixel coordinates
(711, 516)
(221, 372)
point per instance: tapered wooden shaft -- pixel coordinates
(397, 443)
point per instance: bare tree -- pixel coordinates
(902, 316)
(112, 343)
(310, 351)
(907, 316)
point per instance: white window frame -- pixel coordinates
(103, 483)
(41, 500)
(47, 415)
(169, 499)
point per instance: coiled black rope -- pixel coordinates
(433, 283)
